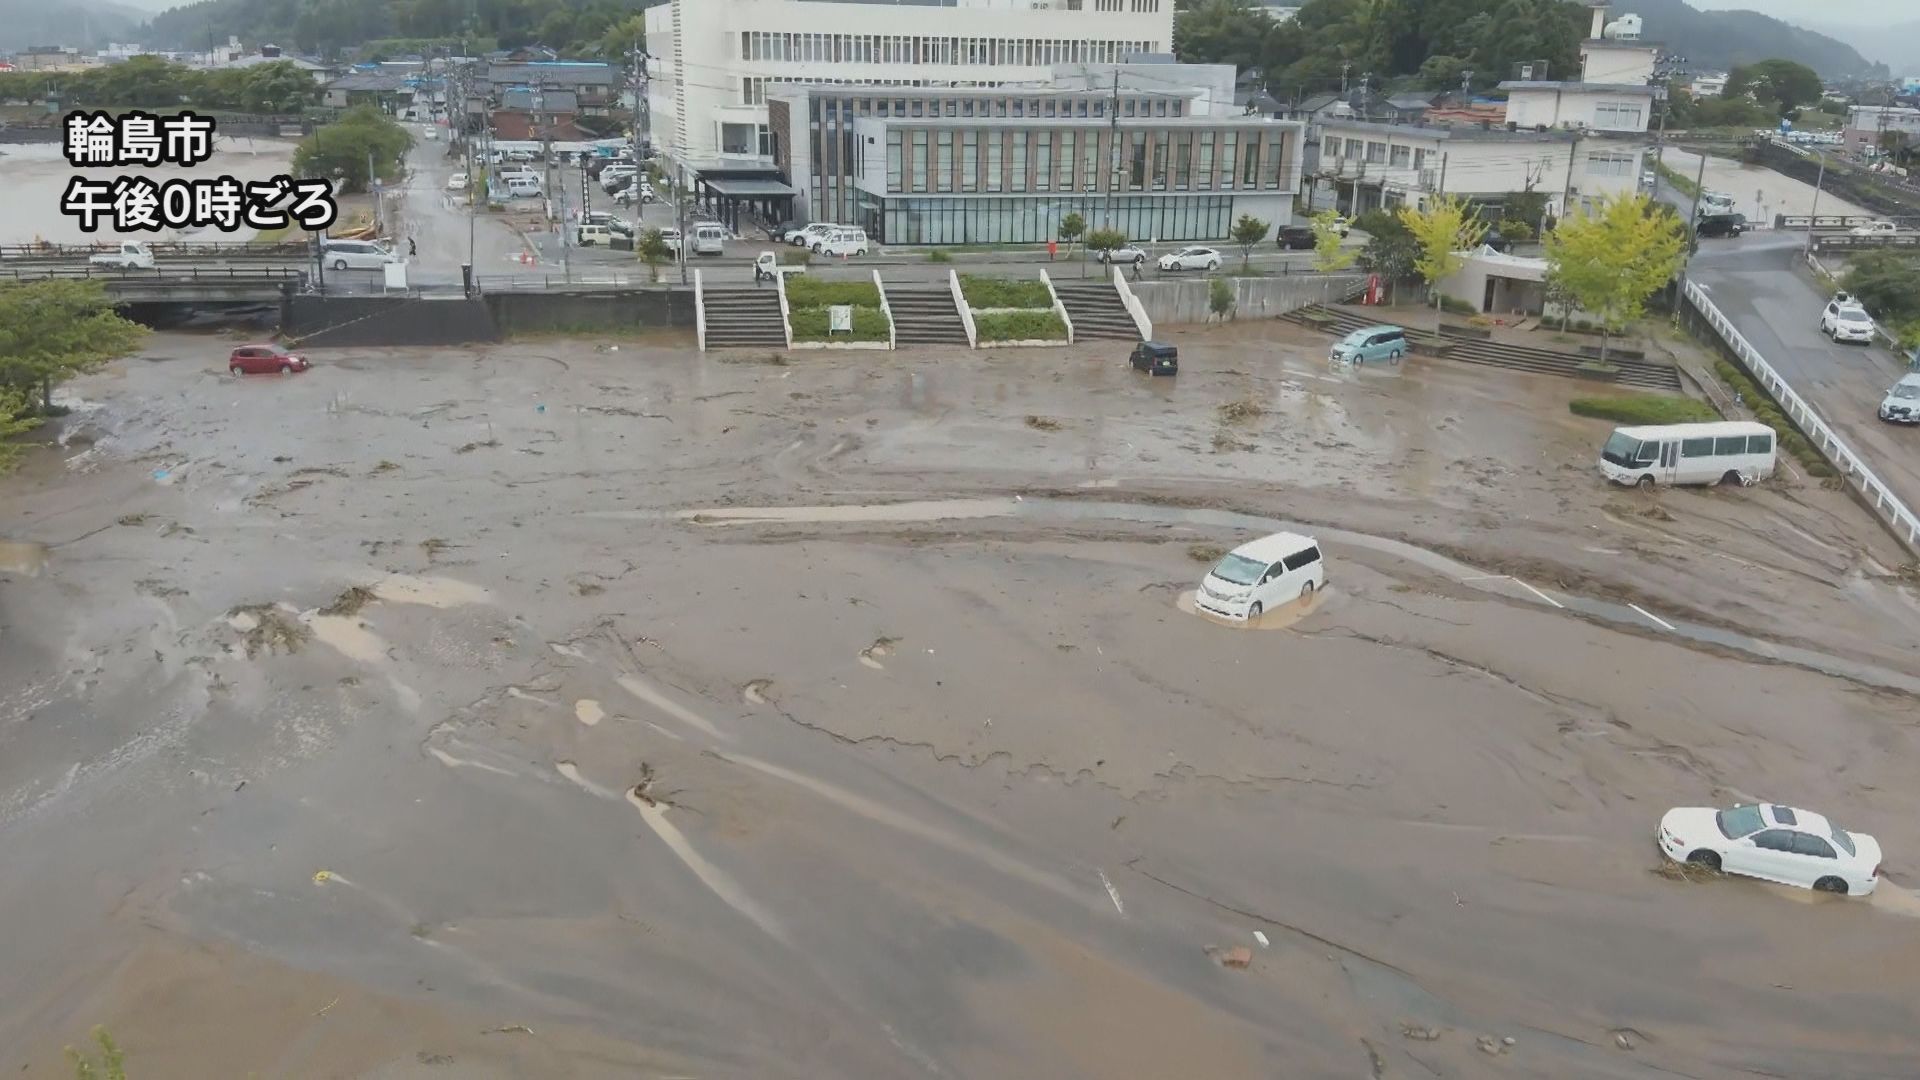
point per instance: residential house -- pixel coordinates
(534, 115)
(1866, 123)
(387, 89)
(595, 86)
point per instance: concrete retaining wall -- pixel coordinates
(587, 312)
(1170, 302)
(375, 321)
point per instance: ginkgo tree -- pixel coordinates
(1328, 255)
(1442, 230)
(1612, 256)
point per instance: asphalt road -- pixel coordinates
(1758, 282)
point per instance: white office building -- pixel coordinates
(714, 62)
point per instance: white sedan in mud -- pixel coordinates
(1777, 843)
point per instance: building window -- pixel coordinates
(1617, 116)
(1183, 163)
(1419, 159)
(994, 140)
(1402, 157)
(966, 107)
(919, 161)
(1227, 151)
(1250, 165)
(1160, 161)
(1276, 145)
(1205, 175)
(894, 161)
(1137, 178)
(1376, 153)
(1090, 163)
(1019, 171)
(1067, 160)
(1610, 164)
(943, 162)
(969, 161)
(1043, 162)
(1356, 149)
(1330, 148)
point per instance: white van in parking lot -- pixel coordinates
(523, 187)
(709, 239)
(356, 255)
(842, 242)
(1262, 575)
(1729, 452)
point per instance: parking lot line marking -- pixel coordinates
(1651, 617)
(1550, 599)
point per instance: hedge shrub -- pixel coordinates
(1644, 409)
(993, 292)
(1019, 326)
(813, 292)
(1767, 411)
(810, 324)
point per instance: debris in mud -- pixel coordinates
(133, 520)
(1206, 553)
(1234, 412)
(350, 602)
(425, 1058)
(1420, 1032)
(433, 546)
(265, 628)
(587, 588)
(156, 587)
(1239, 957)
(174, 528)
(281, 459)
(317, 470)
(1656, 512)
(1628, 1038)
(1225, 443)
(385, 466)
(1490, 1045)
(1693, 873)
(882, 646)
(1042, 423)
(644, 789)
(472, 446)
(509, 1029)
(756, 691)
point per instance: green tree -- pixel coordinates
(1223, 31)
(1611, 258)
(622, 37)
(1248, 231)
(1105, 240)
(1443, 72)
(653, 250)
(53, 330)
(1887, 283)
(1783, 84)
(1328, 255)
(343, 149)
(1440, 232)
(113, 1063)
(1220, 297)
(1072, 227)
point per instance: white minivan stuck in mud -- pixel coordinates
(1262, 575)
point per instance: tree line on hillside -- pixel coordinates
(149, 82)
(1430, 43)
(603, 28)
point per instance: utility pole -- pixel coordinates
(1113, 148)
(680, 207)
(1699, 188)
(1814, 218)
(1443, 174)
(1566, 193)
(373, 185)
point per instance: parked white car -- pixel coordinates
(129, 255)
(1902, 403)
(457, 182)
(1124, 255)
(1257, 577)
(842, 242)
(1874, 228)
(1847, 322)
(1777, 843)
(357, 255)
(805, 235)
(1191, 258)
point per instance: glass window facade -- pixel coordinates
(1035, 219)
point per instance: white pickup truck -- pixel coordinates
(1874, 228)
(129, 255)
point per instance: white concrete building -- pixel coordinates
(714, 61)
(1705, 86)
(1615, 107)
(1376, 166)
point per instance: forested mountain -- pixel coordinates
(328, 26)
(1435, 43)
(80, 24)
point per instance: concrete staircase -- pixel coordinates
(1097, 312)
(925, 317)
(744, 319)
(1637, 374)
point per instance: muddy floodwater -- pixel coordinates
(554, 709)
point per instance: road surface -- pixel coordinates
(1760, 283)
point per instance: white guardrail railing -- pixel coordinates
(786, 315)
(1905, 527)
(700, 310)
(893, 335)
(1141, 322)
(966, 312)
(1059, 308)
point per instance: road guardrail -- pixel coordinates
(156, 275)
(1885, 504)
(1878, 242)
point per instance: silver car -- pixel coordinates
(1902, 403)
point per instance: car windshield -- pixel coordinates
(1844, 839)
(1907, 391)
(1854, 315)
(1239, 569)
(1739, 821)
(1621, 449)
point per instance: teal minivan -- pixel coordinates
(1387, 343)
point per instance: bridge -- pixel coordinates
(175, 284)
(168, 252)
(1875, 242)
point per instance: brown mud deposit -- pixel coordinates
(844, 702)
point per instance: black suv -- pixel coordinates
(1720, 225)
(1295, 238)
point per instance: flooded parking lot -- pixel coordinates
(555, 710)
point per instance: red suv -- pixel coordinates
(264, 360)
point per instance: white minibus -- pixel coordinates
(1728, 452)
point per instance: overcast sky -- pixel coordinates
(1857, 12)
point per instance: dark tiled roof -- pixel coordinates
(382, 81)
(551, 74)
(553, 101)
